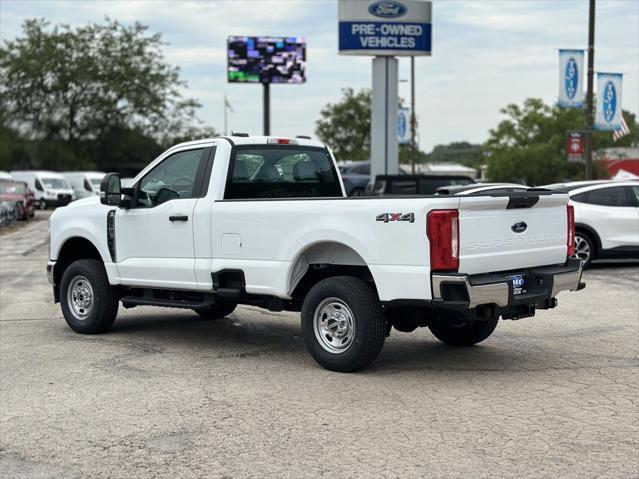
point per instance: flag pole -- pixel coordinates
(589, 92)
(226, 117)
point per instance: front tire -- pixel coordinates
(89, 303)
(343, 324)
(42, 204)
(217, 310)
(463, 334)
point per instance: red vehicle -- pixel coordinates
(18, 192)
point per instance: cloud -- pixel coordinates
(485, 54)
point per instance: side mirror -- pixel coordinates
(110, 190)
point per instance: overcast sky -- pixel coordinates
(485, 54)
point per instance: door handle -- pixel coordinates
(179, 218)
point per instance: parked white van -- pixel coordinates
(50, 188)
(84, 183)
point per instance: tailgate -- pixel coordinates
(502, 233)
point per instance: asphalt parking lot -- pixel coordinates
(165, 394)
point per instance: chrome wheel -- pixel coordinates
(583, 250)
(334, 325)
(80, 297)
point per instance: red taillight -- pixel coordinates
(442, 229)
(281, 141)
(570, 241)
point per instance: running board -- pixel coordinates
(133, 301)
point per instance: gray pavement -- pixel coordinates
(165, 394)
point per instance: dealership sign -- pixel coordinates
(386, 27)
(403, 126)
(608, 112)
(571, 91)
(575, 147)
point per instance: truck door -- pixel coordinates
(154, 238)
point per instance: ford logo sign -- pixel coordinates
(518, 281)
(609, 101)
(519, 227)
(387, 9)
(571, 78)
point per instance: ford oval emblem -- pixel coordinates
(609, 101)
(387, 9)
(571, 78)
(519, 227)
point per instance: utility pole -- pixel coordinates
(413, 144)
(589, 92)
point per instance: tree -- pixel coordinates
(67, 90)
(346, 126)
(529, 145)
(462, 152)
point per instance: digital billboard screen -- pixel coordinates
(266, 60)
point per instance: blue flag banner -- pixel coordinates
(608, 112)
(403, 126)
(571, 91)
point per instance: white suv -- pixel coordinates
(606, 218)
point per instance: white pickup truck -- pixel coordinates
(264, 221)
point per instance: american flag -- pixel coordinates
(621, 132)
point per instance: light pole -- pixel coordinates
(591, 66)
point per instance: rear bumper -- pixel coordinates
(458, 291)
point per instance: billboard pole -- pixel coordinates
(589, 93)
(266, 91)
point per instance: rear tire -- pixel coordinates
(217, 310)
(89, 303)
(463, 334)
(343, 324)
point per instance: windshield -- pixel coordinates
(55, 183)
(96, 182)
(13, 188)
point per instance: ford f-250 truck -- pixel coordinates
(264, 221)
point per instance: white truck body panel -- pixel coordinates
(487, 240)
(272, 240)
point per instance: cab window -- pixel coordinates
(174, 178)
(273, 171)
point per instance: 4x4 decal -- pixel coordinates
(386, 217)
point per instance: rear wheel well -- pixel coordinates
(73, 249)
(324, 260)
(319, 272)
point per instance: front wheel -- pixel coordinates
(463, 334)
(42, 204)
(89, 303)
(343, 324)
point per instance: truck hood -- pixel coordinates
(86, 201)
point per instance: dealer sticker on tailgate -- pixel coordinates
(519, 284)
